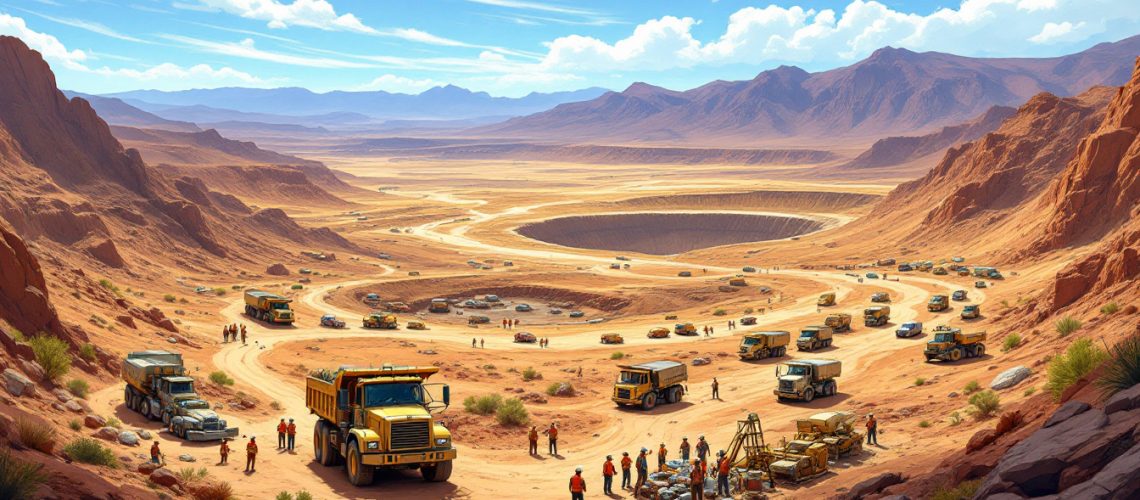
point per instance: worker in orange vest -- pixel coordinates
(577, 485)
(697, 480)
(225, 452)
(251, 455)
(292, 431)
(552, 436)
(533, 440)
(626, 463)
(608, 472)
(872, 429)
(661, 454)
(722, 470)
(684, 448)
(282, 427)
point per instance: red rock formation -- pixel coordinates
(23, 293)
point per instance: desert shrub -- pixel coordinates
(748, 310)
(90, 451)
(954, 418)
(1004, 303)
(1066, 369)
(919, 381)
(924, 424)
(114, 422)
(531, 374)
(297, 286)
(617, 355)
(1123, 367)
(1110, 308)
(212, 490)
(191, 475)
(75, 425)
(552, 389)
(276, 405)
(78, 388)
(1011, 341)
(169, 298)
(35, 435)
(87, 351)
(219, 291)
(51, 354)
(19, 479)
(720, 312)
(483, 405)
(220, 378)
(964, 491)
(972, 387)
(489, 367)
(984, 404)
(1030, 391)
(1067, 325)
(512, 412)
(284, 495)
(303, 495)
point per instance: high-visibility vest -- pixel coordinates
(608, 468)
(626, 462)
(154, 451)
(724, 466)
(577, 484)
(533, 435)
(697, 475)
(251, 448)
(553, 433)
(281, 428)
(292, 430)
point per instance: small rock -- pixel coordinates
(94, 421)
(874, 485)
(701, 361)
(980, 440)
(1010, 378)
(73, 406)
(17, 384)
(108, 433)
(62, 395)
(129, 438)
(1009, 421)
(1067, 411)
(186, 457)
(953, 394)
(32, 368)
(172, 340)
(57, 407)
(164, 477)
(144, 434)
(146, 468)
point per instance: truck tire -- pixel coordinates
(809, 394)
(437, 473)
(829, 389)
(673, 395)
(956, 354)
(322, 451)
(649, 401)
(979, 351)
(358, 473)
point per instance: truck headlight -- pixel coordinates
(441, 441)
(374, 445)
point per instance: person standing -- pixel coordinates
(715, 389)
(472, 342)
(722, 470)
(577, 485)
(292, 431)
(242, 335)
(155, 454)
(697, 480)
(626, 464)
(224, 451)
(642, 471)
(482, 343)
(608, 472)
(579, 372)
(251, 455)
(685, 449)
(552, 437)
(702, 448)
(872, 429)
(282, 428)
(706, 330)
(661, 454)
(533, 437)
(225, 334)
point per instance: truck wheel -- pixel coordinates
(829, 389)
(166, 418)
(437, 473)
(956, 354)
(649, 401)
(979, 351)
(809, 394)
(358, 473)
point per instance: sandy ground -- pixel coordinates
(441, 215)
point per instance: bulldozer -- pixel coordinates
(839, 322)
(836, 429)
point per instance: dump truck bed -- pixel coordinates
(825, 368)
(140, 367)
(662, 373)
(972, 338)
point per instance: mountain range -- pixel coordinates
(891, 92)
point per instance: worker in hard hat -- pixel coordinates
(642, 470)
(608, 472)
(685, 449)
(723, 467)
(661, 454)
(577, 485)
(697, 480)
(626, 464)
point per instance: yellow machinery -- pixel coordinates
(686, 329)
(839, 322)
(268, 307)
(950, 344)
(760, 345)
(416, 325)
(836, 429)
(439, 306)
(612, 338)
(380, 320)
(827, 299)
(938, 303)
(876, 315)
(647, 384)
(658, 333)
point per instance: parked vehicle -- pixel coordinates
(909, 329)
(330, 321)
(647, 384)
(268, 307)
(523, 308)
(805, 379)
(814, 337)
(525, 338)
(972, 311)
(612, 338)
(880, 297)
(761, 345)
(577, 314)
(950, 344)
(960, 295)
(158, 387)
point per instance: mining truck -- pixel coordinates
(439, 306)
(814, 337)
(827, 299)
(836, 429)
(876, 315)
(647, 384)
(158, 388)
(938, 303)
(686, 329)
(760, 345)
(950, 344)
(380, 418)
(383, 320)
(805, 379)
(658, 333)
(839, 322)
(880, 297)
(612, 338)
(268, 307)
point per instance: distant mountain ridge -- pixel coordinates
(446, 102)
(892, 92)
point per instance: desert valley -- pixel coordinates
(951, 242)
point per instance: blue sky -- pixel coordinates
(512, 47)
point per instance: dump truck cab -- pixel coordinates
(839, 322)
(938, 303)
(268, 307)
(686, 329)
(761, 345)
(384, 320)
(814, 337)
(950, 344)
(648, 384)
(826, 299)
(806, 379)
(971, 311)
(380, 418)
(876, 315)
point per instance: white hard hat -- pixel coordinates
(578, 469)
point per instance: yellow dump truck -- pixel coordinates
(383, 320)
(647, 384)
(827, 299)
(268, 307)
(806, 379)
(876, 315)
(439, 306)
(938, 303)
(612, 338)
(380, 418)
(950, 344)
(836, 429)
(686, 329)
(839, 322)
(761, 345)
(814, 337)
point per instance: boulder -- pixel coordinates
(277, 270)
(1010, 378)
(1009, 421)
(108, 433)
(126, 320)
(17, 384)
(144, 434)
(168, 325)
(873, 485)
(1067, 411)
(164, 477)
(980, 440)
(186, 457)
(62, 395)
(32, 369)
(146, 468)
(1125, 400)
(129, 438)
(1119, 479)
(94, 422)
(73, 406)
(564, 390)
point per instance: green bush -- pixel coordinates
(531, 374)
(89, 451)
(924, 424)
(114, 422)
(75, 425)
(284, 495)
(984, 404)
(1066, 369)
(617, 355)
(512, 412)
(955, 418)
(919, 381)
(1122, 370)
(78, 388)
(87, 352)
(220, 378)
(1110, 308)
(169, 298)
(1067, 325)
(964, 491)
(19, 479)
(972, 387)
(51, 354)
(298, 286)
(720, 312)
(303, 495)
(1011, 342)
(748, 310)
(190, 474)
(35, 435)
(483, 405)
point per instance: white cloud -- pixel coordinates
(92, 26)
(400, 84)
(309, 13)
(539, 6)
(1055, 32)
(246, 49)
(199, 72)
(655, 44)
(50, 46)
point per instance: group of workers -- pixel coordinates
(230, 333)
(551, 436)
(699, 469)
(286, 435)
(509, 323)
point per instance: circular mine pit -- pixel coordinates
(667, 233)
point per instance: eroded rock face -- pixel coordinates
(277, 270)
(23, 292)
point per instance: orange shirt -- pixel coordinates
(282, 427)
(626, 462)
(553, 432)
(251, 448)
(225, 448)
(154, 450)
(577, 484)
(292, 429)
(724, 466)
(608, 468)
(533, 435)
(697, 475)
